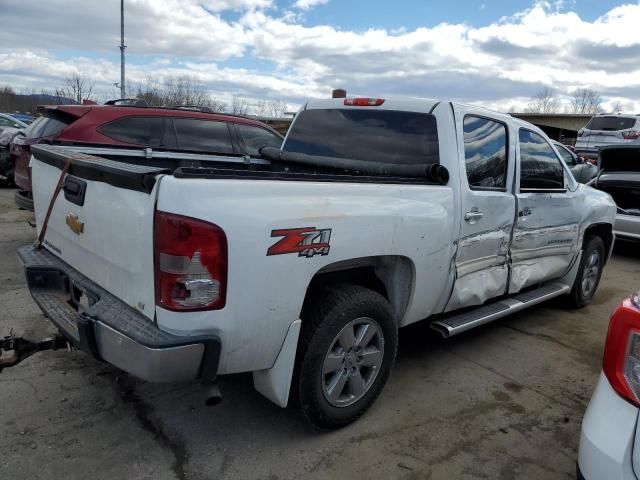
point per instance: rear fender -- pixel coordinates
(392, 276)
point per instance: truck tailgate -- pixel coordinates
(102, 221)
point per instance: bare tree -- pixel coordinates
(177, 91)
(276, 108)
(239, 106)
(617, 107)
(150, 91)
(261, 108)
(585, 101)
(544, 101)
(77, 87)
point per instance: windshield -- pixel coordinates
(384, 136)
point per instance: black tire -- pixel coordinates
(7, 182)
(323, 318)
(579, 297)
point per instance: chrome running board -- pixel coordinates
(457, 323)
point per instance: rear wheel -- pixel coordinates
(348, 346)
(589, 273)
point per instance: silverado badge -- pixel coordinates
(74, 223)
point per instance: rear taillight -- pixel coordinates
(363, 102)
(631, 135)
(190, 263)
(622, 350)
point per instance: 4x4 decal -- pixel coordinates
(306, 242)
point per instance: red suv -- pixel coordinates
(156, 132)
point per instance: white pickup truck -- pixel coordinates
(300, 266)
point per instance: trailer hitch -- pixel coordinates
(14, 350)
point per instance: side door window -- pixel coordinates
(540, 167)
(255, 137)
(197, 135)
(485, 153)
(145, 131)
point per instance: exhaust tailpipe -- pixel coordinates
(214, 397)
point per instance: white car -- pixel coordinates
(610, 439)
(603, 130)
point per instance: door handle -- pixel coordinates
(473, 216)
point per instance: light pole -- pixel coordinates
(122, 47)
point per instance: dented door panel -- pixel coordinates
(545, 238)
(482, 269)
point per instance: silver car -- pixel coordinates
(607, 129)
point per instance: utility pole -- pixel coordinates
(122, 47)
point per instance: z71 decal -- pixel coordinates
(306, 242)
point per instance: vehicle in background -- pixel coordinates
(157, 134)
(619, 176)
(605, 130)
(9, 128)
(610, 438)
(301, 266)
(582, 171)
(23, 117)
(10, 121)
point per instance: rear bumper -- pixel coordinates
(579, 475)
(109, 330)
(607, 437)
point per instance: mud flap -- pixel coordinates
(275, 382)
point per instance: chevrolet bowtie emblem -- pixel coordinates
(75, 225)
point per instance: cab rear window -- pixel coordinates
(383, 136)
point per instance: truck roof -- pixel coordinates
(418, 105)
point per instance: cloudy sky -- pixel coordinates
(473, 51)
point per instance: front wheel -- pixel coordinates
(589, 273)
(347, 348)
